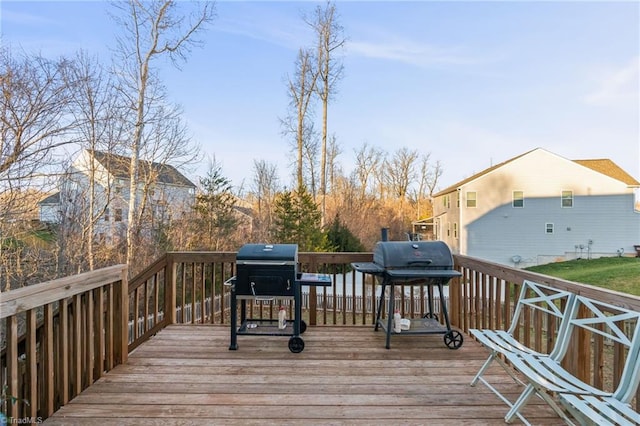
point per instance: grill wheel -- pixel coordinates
(296, 344)
(453, 339)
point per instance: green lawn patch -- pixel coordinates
(614, 273)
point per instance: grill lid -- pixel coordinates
(267, 254)
(410, 260)
(413, 255)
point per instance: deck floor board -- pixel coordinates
(187, 375)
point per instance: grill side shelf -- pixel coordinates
(422, 273)
(368, 268)
(305, 278)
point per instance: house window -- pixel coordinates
(448, 229)
(471, 199)
(118, 215)
(567, 199)
(106, 214)
(518, 199)
(548, 228)
(455, 230)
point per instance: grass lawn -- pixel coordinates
(615, 273)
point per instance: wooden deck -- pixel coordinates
(187, 375)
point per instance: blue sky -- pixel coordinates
(472, 83)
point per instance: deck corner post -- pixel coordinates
(121, 327)
(170, 290)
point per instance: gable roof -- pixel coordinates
(51, 199)
(119, 166)
(604, 166)
(455, 186)
(609, 168)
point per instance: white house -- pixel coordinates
(163, 193)
(538, 208)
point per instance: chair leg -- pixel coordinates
(483, 368)
(519, 404)
(494, 356)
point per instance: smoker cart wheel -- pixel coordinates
(430, 315)
(453, 339)
(296, 345)
(303, 326)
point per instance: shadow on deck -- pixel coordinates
(187, 375)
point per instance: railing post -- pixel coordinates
(121, 326)
(169, 290)
(313, 298)
(49, 365)
(454, 302)
(12, 366)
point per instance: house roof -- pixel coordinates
(119, 166)
(604, 166)
(51, 199)
(609, 168)
(455, 186)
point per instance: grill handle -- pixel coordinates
(249, 262)
(418, 262)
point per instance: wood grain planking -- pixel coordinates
(187, 375)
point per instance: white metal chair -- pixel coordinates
(546, 377)
(552, 302)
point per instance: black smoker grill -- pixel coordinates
(426, 263)
(265, 272)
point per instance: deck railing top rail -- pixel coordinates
(23, 299)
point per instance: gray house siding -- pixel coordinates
(602, 220)
(505, 231)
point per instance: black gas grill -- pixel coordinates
(426, 263)
(269, 272)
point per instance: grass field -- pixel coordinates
(615, 273)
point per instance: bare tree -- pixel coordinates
(401, 171)
(310, 149)
(151, 30)
(369, 161)
(333, 151)
(423, 176)
(34, 112)
(300, 88)
(264, 190)
(433, 177)
(329, 39)
(34, 123)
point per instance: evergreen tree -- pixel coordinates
(297, 221)
(214, 208)
(285, 219)
(341, 239)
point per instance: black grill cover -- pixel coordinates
(266, 269)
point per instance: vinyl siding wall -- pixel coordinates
(494, 230)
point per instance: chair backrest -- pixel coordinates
(616, 324)
(553, 302)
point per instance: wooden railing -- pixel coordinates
(58, 338)
(188, 288)
(485, 297)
